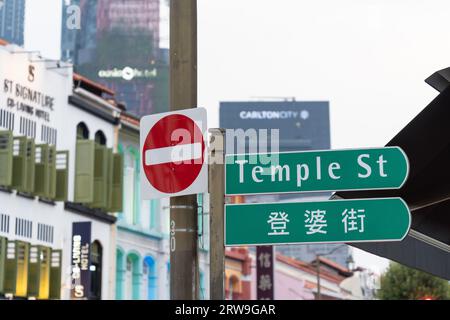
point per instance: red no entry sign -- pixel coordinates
(173, 153)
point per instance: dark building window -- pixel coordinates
(24, 228)
(4, 223)
(27, 127)
(45, 233)
(82, 131)
(96, 271)
(7, 120)
(100, 138)
(48, 135)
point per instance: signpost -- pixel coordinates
(173, 155)
(330, 170)
(174, 163)
(335, 221)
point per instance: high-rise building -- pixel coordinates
(12, 20)
(117, 45)
(301, 126)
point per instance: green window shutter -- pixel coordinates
(6, 158)
(16, 268)
(19, 163)
(41, 181)
(2, 262)
(62, 175)
(109, 180)
(117, 183)
(39, 272)
(30, 161)
(100, 177)
(34, 265)
(51, 191)
(84, 171)
(10, 273)
(55, 274)
(44, 273)
(23, 250)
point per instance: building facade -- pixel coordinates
(364, 285)
(60, 178)
(132, 14)
(294, 279)
(143, 254)
(12, 21)
(238, 264)
(118, 45)
(297, 280)
(142, 258)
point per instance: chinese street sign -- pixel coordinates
(329, 170)
(361, 220)
(264, 273)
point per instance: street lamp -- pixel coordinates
(318, 255)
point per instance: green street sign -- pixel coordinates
(329, 170)
(336, 221)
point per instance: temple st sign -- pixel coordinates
(330, 170)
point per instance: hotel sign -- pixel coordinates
(25, 99)
(80, 259)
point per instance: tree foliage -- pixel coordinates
(402, 283)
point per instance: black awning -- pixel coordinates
(414, 253)
(426, 142)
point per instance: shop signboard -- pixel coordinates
(264, 273)
(80, 260)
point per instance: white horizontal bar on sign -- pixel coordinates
(178, 153)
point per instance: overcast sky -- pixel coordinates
(368, 58)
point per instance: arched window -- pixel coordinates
(100, 138)
(82, 131)
(132, 277)
(96, 270)
(150, 279)
(120, 272)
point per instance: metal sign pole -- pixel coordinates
(216, 185)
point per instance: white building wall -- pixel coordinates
(61, 220)
(64, 118)
(158, 248)
(144, 245)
